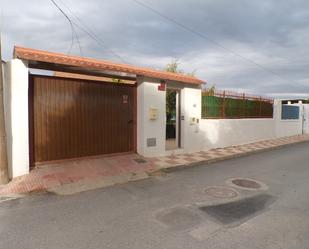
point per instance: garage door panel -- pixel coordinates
(73, 118)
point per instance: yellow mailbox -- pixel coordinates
(153, 113)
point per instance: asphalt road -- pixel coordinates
(172, 211)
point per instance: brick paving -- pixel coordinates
(227, 152)
(107, 169)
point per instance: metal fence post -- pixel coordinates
(243, 105)
(223, 105)
(260, 106)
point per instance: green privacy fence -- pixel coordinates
(230, 105)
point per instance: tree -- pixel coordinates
(210, 91)
(173, 67)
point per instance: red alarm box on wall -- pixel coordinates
(162, 86)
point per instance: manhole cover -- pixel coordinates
(247, 184)
(221, 192)
(179, 218)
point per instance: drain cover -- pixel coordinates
(247, 184)
(221, 192)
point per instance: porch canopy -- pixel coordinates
(45, 60)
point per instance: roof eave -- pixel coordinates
(87, 63)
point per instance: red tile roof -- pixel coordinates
(87, 63)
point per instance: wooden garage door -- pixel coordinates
(73, 118)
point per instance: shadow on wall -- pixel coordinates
(74, 118)
(7, 93)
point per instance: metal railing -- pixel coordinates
(231, 105)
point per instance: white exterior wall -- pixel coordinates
(306, 119)
(16, 116)
(217, 133)
(227, 132)
(286, 128)
(148, 97)
(207, 133)
(191, 108)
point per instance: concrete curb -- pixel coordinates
(5, 198)
(223, 158)
(83, 186)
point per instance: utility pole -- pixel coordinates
(4, 176)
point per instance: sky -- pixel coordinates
(257, 47)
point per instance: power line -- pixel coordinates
(100, 42)
(87, 30)
(201, 35)
(72, 28)
(71, 25)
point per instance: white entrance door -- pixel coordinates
(306, 119)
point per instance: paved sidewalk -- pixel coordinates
(213, 155)
(76, 176)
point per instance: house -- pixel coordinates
(76, 109)
(60, 107)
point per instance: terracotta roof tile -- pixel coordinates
(87, 63)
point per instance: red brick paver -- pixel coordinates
(56, 175)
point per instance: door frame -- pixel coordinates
(178, 116)
(32, 162)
